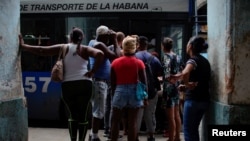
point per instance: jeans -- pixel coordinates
(193, 113)
(125, 96)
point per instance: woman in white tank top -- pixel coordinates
(77, 83)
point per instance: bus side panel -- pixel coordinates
(43, 95)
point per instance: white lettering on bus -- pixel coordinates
(31, 86)
(55, 7)
(49, 6)
(46, 81)
(130, 6)
(83, 6)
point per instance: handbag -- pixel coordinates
(57, 70)
(141, 91)
(141, 88)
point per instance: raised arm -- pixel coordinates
(98, 55)
(40, 50)
(114, 42)
(184, 77)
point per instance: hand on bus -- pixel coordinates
(21, 41)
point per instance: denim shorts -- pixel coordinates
(172, 101)
(125, 96)
(99, 98)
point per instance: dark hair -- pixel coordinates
(198, 44)
(120, 36)
(143, 41)
(76, 35)
(167, 43)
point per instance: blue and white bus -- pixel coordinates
(46, 22)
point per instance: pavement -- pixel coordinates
(62, 134)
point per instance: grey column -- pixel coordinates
(229, 55)
(13, 110)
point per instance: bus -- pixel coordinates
(46, 22)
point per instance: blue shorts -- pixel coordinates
(125, 96)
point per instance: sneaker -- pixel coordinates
(151, 139)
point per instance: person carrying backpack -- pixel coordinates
(153, 70)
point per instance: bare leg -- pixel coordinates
(132, 122)
(171, 123)
(177, 122)
(115, 125)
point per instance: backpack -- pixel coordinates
(151, 79)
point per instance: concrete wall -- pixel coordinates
(229, 55)
(229, 52)
(13, 111)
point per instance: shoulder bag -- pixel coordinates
(58, 68)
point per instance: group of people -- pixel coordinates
(105, 73)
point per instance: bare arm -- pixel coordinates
(143, 79)
(113, 80)
(113, 41)
(186, 73)
(142, 76)
(95, 53)
(40, 50)
(184, 76)
(107, 52)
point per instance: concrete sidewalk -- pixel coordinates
(62, 134)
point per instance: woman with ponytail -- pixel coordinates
(195, 84)
(77, 83)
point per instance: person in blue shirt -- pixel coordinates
(148, 112)
(101, 78)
